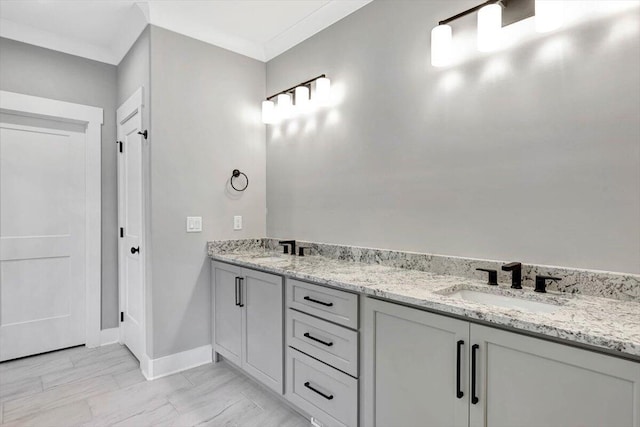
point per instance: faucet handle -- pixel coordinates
(301, 250)
(493, 276)
(541, 283)
(285, 244)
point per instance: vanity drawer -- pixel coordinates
(330, 304)
(323, 392)
(332, 344)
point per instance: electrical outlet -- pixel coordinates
(237, 222)
(194, 224)
(316, 423)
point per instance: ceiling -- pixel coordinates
(104, 30)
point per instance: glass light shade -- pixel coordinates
(441, 45)
(302, 97)
(323, 91)
(284, 107)
(549, 15)
(269, 112)
(489, 27)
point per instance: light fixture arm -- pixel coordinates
(292, 88)
(502, 3)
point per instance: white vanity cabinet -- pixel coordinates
(247, 321)
(412, 368)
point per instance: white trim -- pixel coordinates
(33, 106)
(109, 336)
(322, 18)
(157, 368)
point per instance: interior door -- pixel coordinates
(131, 250)
(42, 236)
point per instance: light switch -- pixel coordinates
(237, 222)
(194, 224)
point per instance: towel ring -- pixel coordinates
(236, 173)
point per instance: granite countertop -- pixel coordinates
(603, 323)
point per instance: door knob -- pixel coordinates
(134, 250)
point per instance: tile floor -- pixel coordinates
(104, 387)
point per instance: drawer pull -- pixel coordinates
(308, 385)
(326, 304)
(308, 335)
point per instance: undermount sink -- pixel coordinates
(504, 301)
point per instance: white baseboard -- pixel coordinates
(109, 336)
(157, 368)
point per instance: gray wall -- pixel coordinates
(205, 121)
(46, 73)
(518, 155)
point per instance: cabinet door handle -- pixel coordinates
(237, 291)
(240, 281)
(308, 385)
(327, 343)
(459, 392)
(474, 398)
(327, 304)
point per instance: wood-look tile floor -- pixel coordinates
(104, 387)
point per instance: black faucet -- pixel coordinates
(541, 283)
(286, 244)
(493, 276)
(516, 275)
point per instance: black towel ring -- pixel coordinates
(236, 173)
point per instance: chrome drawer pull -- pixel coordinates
(327, 304)
(308, 335)
(307, 385)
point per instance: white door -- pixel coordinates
(42, 235)
(131, 249)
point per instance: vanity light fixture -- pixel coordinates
(492, 16)
(284, 107)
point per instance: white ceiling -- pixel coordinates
(104, 30)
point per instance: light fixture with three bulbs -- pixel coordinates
(548, 17)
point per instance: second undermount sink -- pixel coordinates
(504, 301)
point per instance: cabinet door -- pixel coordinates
(227, 313)
(262, 346)
(526, 381)
(411, 366)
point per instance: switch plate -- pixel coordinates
(237, 222)
(194, 224)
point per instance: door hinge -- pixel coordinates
(119, 145)
(122, 316)
(143, 133)
(121, 232)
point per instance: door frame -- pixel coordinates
(134, 104)
(92, 118)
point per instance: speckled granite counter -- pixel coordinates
(604, 323)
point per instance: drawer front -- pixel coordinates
(323, 392)
(332, 344)
(330, 304)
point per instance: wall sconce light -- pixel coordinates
(492, 16)
(302, 99)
